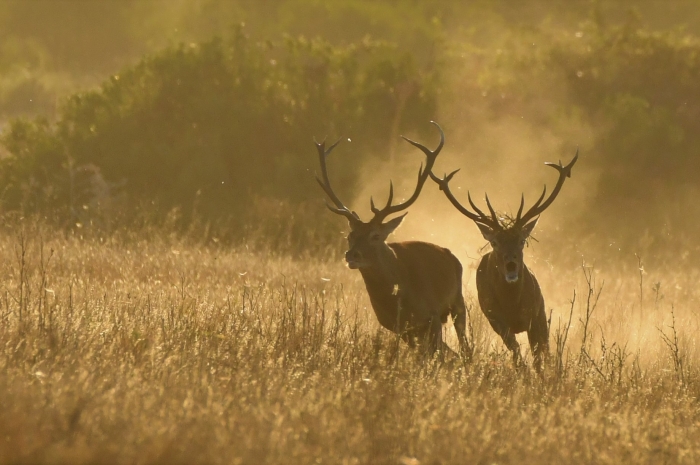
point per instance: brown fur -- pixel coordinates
(512, 308)
(509, 294)
(413, 288)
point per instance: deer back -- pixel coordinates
(420, 281)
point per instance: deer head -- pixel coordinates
(367, 239)
(508, 235)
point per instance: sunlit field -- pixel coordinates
(173, 289)
(148, 348)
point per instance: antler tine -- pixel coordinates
(388, 202)
(476, 209)
(539, 206)
(520, 210)
(444, 186)
(493, 212)
(423, 174)
(539, 200)
(431, 154)
(325, 184)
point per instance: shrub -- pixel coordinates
(639, 93)
(207, 127)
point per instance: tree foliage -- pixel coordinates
(639, 92)
(216, 126)
(212, 125)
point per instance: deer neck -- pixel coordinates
(384, 287)
(385, 273)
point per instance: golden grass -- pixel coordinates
(160, 350)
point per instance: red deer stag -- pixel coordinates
(509, 294)
(412, 286)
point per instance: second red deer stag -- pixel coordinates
(509, 294)
(413, 286)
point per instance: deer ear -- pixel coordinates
(486, 232)
(528, 228)
(389, 227)
(354, 222)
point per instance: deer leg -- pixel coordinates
(513, 345)
(428, 337)
(409, 338)
(509, 340)
(435, 335)
(538, 336)
(458, 311)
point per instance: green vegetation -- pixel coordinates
(218, 124)
(218, 130)
(639, 91)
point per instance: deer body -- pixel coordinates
(513, 307)
(414, 289)
(412, 286)
(509, 294)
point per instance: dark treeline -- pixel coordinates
(213, 129)
(637, 92)
(220, 128)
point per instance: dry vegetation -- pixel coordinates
(139, 344)
(146, 348)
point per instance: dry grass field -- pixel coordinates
(148, 348)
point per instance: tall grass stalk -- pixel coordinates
(162, 350)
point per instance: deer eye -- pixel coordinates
(375, 237)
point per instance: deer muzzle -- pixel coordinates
(353, 259)
(511, 273)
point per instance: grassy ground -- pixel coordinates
(160, 350)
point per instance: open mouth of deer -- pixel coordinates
(511, 272)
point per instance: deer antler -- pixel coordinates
(389, 209)
(539, 207)
(325, 184)
(479, 216)
(520, 220)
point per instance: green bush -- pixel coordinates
(207, 127)
(639, 93)
(644, 89)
